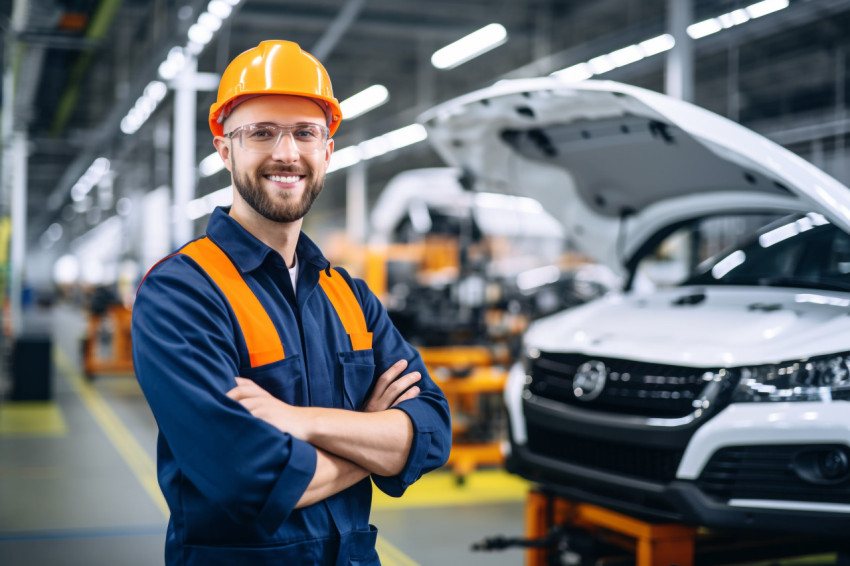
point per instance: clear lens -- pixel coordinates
(264, 138)
(824, 378)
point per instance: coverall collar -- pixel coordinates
(247, 252)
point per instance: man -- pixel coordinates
(279, 385)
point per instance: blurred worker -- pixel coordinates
(279, 384)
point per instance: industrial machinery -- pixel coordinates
(107, 349)
(462, 272)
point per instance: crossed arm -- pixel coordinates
(350, 445)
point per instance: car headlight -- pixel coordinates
(821, 378)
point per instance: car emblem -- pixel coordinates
(589, 380)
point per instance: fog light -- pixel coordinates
(826, 465)
(833, 464)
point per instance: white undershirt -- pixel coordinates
(293, 273)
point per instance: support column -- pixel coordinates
(17, 258)
(679, 71)
(183, 166)
(355, 203)
(841, 172)
(733, 83)
(7, 187)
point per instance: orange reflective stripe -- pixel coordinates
(264, 345)
(347, 308)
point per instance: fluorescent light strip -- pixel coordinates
(766, 7)
(469, 47)
(369, 149)
(90, 178)
(210, 165)
(144, 107)
(202, 206)
(660, 44)
(364, 101)
(735, 18)
(616, 59)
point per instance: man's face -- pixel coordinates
(280, 185)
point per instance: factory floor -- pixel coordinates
(78, 483)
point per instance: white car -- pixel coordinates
(720, 400)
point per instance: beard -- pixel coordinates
(282, 206)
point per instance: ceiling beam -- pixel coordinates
(337, 29)
(57, 41)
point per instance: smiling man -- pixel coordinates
(279, 384)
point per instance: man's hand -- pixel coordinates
(269, 408)
(390, 389)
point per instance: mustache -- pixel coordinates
(283, 171)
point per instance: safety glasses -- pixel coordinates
(265, 137)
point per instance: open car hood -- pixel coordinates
(617, 163)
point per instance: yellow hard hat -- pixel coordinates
(274, 67)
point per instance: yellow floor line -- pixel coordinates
(441, 489)
(392, 556)
(134, 455)
(32, 418)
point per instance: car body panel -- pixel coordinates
(612, 152)
(737, 326)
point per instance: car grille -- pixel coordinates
(766, 472)
(631, 388)
(642, 462)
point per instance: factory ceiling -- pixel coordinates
(79, 66)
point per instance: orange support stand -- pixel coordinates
(108, 349)
(653, 544)
(466, 376)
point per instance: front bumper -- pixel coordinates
(664, 474)
(678, 501)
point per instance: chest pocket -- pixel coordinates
(261, 337)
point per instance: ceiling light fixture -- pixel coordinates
(377, 146)
(766, 7)
(469, 47)
(364, 101)
(90, 178)
(219, 8)
(204, 205)
(656, 45)
(144, 107)
(665, 42)
(210, 165)
(735, 18)
(173, 63)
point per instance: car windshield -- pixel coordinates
(803, 252)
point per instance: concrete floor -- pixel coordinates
(78, 484)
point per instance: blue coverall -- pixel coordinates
(232, 480)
